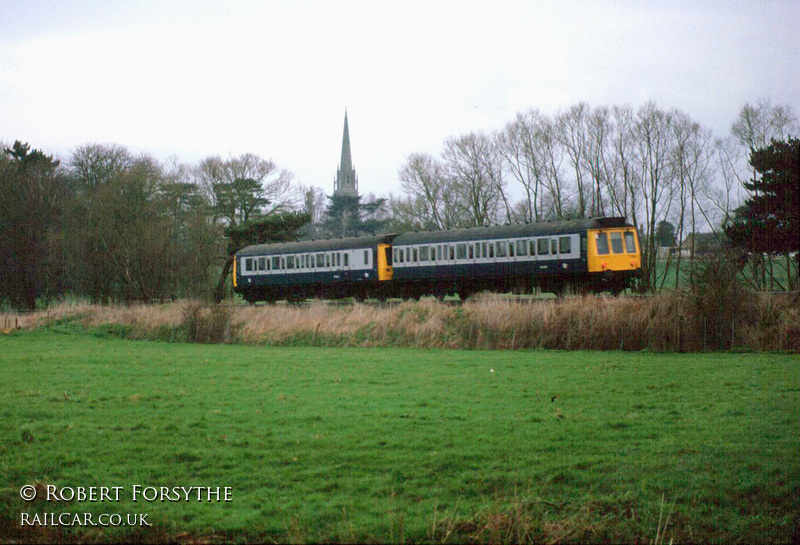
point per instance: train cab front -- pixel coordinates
(614, 257)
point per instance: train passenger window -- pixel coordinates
(491, 249)
(461, 251)
(346, 259)
(616, 243)
(630, 245)
(339, 259)
(424, 253)
(544, 246)
(388, 256)
(602, 243)
(248, 264)
(553, 246)
(451, 252)
(415, 255)
(327, 260)
(366, 257)
(471, 249)
(276, 263)
(484, 249)
(408, 255)
(283, 263)
(511, 248)
(262, 263)
(269, 262)
(433, 253)
(532, 245)
(564, 245)
(478, 250)
(320, 260)
(522, 247)
(290, 262)
(500, 248)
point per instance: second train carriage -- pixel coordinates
(599, 254)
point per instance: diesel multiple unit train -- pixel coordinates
(599, 254)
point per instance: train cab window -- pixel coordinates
(564, 245)
(424, 253)
(461, 251)
(346, 259)
(630, 245)
(388, 256)
(522, 247)
(248, 264)
(532, 244)
(544, 246)
(602, 243)
(262, 263)
(366, 257)
(616, 243)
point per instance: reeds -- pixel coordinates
(665, 322)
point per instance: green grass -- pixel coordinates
(405, 445)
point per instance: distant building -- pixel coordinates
(703, 243)
(346, 182)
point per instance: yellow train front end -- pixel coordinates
(613, 256)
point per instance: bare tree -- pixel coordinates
(474, 169)
(757, 126)
(572, 134)
(422, 179)
(555, 201)
(597, 156)
(520, 144)
(654, 139)
(692, 154)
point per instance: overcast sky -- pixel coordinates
(192, 79)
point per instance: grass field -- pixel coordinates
(401, 444)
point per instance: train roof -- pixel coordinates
(321, 245)
(516, 230)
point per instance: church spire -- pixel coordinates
(346, 180)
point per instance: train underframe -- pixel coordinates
(613, 282)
